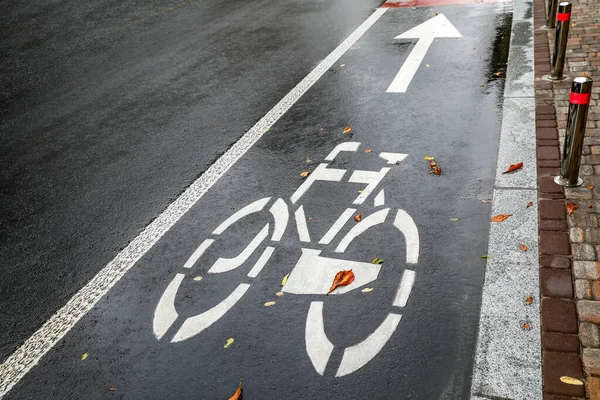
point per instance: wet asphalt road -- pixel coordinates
(107, 117)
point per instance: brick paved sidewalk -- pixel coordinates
(569, 244)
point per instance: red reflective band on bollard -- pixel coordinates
(580, 98)
(563, 16)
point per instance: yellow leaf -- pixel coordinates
(429, 158)
(83, 357)
(367, 290)
(229, 342)
(571, 381)
(198, 278)
(284, 280)
(305, 174)
(454, 219)
(377, 261)
(342, 65)
(369, 151)
(347, 129)
(279, 294)
(238, 393)
(269, 303)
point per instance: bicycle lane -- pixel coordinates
(445, 113)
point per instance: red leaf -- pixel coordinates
(342, 278)
(571, 208)
(500, 217)
(513, 168)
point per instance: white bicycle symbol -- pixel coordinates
(312, 273)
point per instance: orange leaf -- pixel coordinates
(526, 326)
(112, 389)
(523, 247)
(342, 278)
(589, 186)
(432, 164)
(500, 217)
(571, 208)
(347, 129)
(305, 174)
(513, 168)
(369, 151)
(358, 217)
(529, 300)
(530, 204)
(238, 392)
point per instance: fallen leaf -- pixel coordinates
(500, 217)
(310, 218)
(574, 24)
(523, 248)
(83, 357)
(284, 280)
(529, 301)
(498, 73)
(229, 342)
(377, 261)
(305, 174)
(589, 186)
(342, 278)
(266, 130)
(526, 326)
(279, 294)
(358, 217)
(112, 389)
(454, 219)
(238, 392)
(367, 290)
(586, 74)
(369, 151)
(432, 164)
(429, 158)
(427, 65)
(342, 65)
(198, 278)
(481, 84)
(308, 160)
(530, 204)
(269, 303)
(347, 129)
(322, 129)
(486, 201)
(486, 257)
(571, 381)
(513, 168)
(436, 170)
(571, 208)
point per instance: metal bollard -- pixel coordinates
(560, 43)
(579, 102)
(551, 15)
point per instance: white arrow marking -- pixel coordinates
(436, 27)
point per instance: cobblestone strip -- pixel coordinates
(569, 244)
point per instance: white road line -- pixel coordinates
(374, 219)
(379, 199)
(337, 226)
(29, 354)
(198, 253)
(261, 262)
(406, 284)
(301, 225)
(165, 313)
(227, 264)
(318, 347)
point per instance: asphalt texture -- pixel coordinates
(110, 110)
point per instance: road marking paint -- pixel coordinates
(337, 226)
(261, 262)
(196, 324)
(346, 146)
(227, 264)
(251, 208)
(393, 158)
(318, 346)
(379, 199)
(371, 178)
(301, 225)
(314, 273)
(321, 173)
(198, 253)
(280, 212)
(355, 357)
(165, 313)
(407, 226)
(14, 368)
(408, 279)
(374, 219)
(436, 27)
